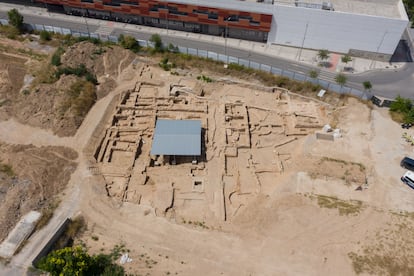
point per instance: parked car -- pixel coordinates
(408, 178)
(406, 125)
(407, 163)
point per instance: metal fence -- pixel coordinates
(214, 56)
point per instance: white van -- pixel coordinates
(408, 178)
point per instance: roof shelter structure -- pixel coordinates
(177, 138)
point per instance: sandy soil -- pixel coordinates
(285, 231)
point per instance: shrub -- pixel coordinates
(77, 261)
(81, 96)
(56, 56)
(45, 36)
(158, 45)
(9, 31)
(80, 71)
(16, 19)
(129, 42)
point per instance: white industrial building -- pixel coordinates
(370, 28)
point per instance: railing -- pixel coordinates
(215, 56)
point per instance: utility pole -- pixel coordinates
(86, 22)
(303, 41)
(226, 31)
(378, 48)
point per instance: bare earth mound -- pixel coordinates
(31, 178)
(52, 103)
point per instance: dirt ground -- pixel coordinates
(28, 95)
(31, 179)
(283, 203)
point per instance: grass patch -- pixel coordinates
(350, 207)
(361, 166)
(7, 170)
(10, 32)
(46, 214)
(376, 264)
(397, 116)
(45, 74)
(81, 96)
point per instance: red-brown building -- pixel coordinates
(173, 15)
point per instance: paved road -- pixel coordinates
(385, 83)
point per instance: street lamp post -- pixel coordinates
(303, 40)
(378, 48)
(84, 17)
(226, 33)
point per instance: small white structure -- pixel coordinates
(19, 234)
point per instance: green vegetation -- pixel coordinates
(158, 45)
(45, 36)
(80, 98)
(185, 61)
(313, 74)
(341, 79)
(166, 65)
(367, 85)
(323, 55)
(56, 56)
(346, 58)
(77, 261)
(129, 42)
(351, 207)
(80, 71)
(204, 78)
(409, 6)
(402, 111)
(15, 19)
(9, 31)
(7, 170)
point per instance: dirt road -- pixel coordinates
(16, 133)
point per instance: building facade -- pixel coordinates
(359, 27)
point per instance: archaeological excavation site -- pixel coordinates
(194, 155)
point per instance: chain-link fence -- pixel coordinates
(214, 56)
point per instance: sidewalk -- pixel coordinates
(306, 56)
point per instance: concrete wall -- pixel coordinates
(335, 31)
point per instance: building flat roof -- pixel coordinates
(177, 137)
(381, 8)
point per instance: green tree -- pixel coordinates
(367, 85)
(313, 74)
(16, 19)
(346, 58)
(76, 261)
(67, 261)
(323, 55)
(158, 45)
(341, 79)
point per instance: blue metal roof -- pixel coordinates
(177, 137)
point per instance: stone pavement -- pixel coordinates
(306, 56)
